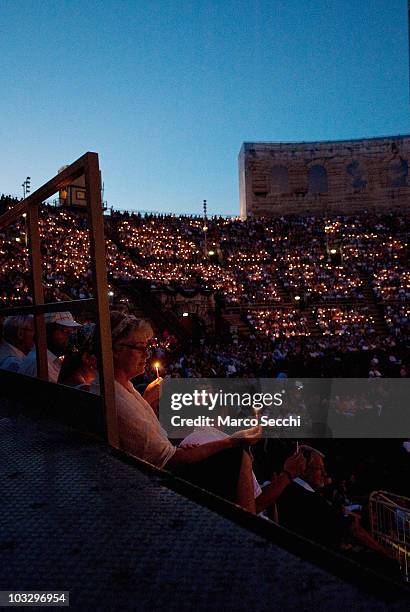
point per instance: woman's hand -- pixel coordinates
(152, 393)
(246, 437)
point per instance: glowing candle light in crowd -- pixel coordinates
(156, 366)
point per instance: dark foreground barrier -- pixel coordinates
(120, 534)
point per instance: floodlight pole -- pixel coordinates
(205, 228)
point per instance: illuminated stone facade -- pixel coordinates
(333, 176)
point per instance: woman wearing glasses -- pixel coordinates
(223, 466)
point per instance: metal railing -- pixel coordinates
(87, 166)
(390, 525)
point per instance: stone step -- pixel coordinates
(235, 320)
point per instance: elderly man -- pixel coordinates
(18, 335)
(304, 510)
(59, 325)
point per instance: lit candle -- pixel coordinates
(156, 366)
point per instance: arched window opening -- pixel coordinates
(280, 179)
(397, 173)
(318, 179)
(356, 175)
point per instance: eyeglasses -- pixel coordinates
(135, 347)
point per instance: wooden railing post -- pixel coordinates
(38, 294)
(100, 285)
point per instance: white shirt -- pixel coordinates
(10, 357)
(303, 484)
(29, 365)
(139, 430)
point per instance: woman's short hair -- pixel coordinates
(123, 324)
(80, 342)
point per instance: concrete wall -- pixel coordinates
(333, 176)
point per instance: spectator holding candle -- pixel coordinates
(221, 466)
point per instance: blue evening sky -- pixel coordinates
(166, 91)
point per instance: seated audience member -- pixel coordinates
(79, 366)
(222, 466)
(266, 496)
(302, 509)
(18, 334)
(59, 325)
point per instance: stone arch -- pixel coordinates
(317, 179)
(279, 179)
(356, 175)
(397, 172)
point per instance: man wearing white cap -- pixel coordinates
(59, 325)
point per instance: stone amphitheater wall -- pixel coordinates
(324, 177)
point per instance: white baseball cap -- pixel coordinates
(61, 318)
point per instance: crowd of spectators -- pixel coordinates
(302, 279)
(306, 286)
(253, 261)
(295, 489)
(279, 322)
(391, 284)
(397, 318)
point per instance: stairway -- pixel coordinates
(375, 308)
(314, 329)
(234, 319)
(282, 292)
